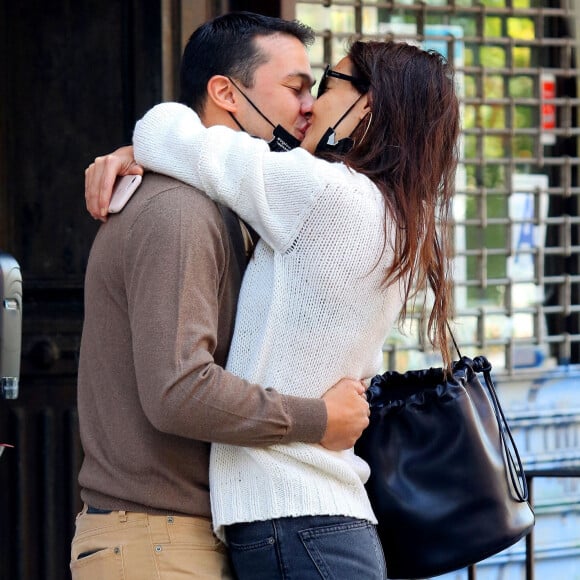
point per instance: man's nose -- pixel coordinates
(306, 108)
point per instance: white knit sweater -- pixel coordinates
(312, 309)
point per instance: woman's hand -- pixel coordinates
(100, 179)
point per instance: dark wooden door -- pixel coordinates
(74, 77)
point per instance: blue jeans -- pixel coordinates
(306, 548)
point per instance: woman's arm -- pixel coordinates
(273, 192)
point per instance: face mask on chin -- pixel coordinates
(283, 141)
(328, 142)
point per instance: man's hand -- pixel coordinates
(348, 414)
(100, 178)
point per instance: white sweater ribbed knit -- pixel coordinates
(311, 311)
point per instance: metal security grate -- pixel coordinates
(517, 227)
(517, 242)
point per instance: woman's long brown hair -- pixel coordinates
(410, 151)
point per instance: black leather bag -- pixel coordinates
(447, 483)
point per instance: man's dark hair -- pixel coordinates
(225, 46)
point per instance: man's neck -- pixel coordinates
(215, 116)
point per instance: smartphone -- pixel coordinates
(124, 188)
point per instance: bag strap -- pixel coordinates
(512, 459)
(453, 339)
(234, 227)
(511, 456)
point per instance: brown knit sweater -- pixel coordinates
(160, 296)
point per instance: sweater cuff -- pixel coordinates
(309, 419)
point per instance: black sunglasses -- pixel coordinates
(361, 85)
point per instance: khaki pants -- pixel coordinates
(136, 546)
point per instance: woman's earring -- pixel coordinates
(367, 127)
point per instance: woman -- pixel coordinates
(345, 243)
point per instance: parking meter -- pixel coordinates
(10, 326)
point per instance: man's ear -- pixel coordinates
(221, 92)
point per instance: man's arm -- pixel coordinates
(174, 260)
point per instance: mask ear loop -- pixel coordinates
(255, 107)
(346, 113)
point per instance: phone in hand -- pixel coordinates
(124, 188)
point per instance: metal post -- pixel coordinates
(530, 536)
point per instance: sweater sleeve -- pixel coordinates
(273, 192)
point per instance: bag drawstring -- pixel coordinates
(511, 455)
(512, 458)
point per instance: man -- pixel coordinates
(161, 291)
